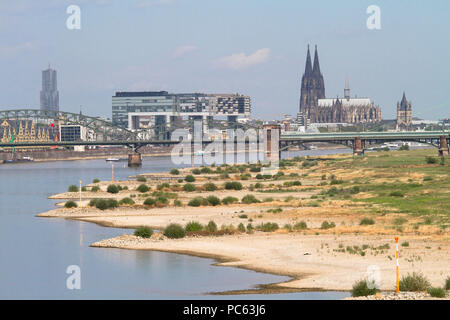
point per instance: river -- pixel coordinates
(35, 252)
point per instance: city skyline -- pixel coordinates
(258, 59)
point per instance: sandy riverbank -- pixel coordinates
(315, 258)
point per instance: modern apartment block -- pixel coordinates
(49, 92)
(149, 109)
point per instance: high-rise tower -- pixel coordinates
(313, 86)
(49, 92)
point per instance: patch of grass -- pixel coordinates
(229, 200)
(397, 194)
(112, 188)
(143, 232)
(193, 226)
(431, 160)
(361, 289)
(241, 227)
(141, 179)
(327, 225)
(233, 185)
(127, 201)
(211, 227)
(243, 216)
(210, 186)
(437, 292)
(95, 189)
(447, 283)
(248, 199)
(177, 203)
(405, 244)
(414, 282)
(300, 225)
(400, 221)
(366, 221)
(70, 204)
(269, 227)
(96, 180)
(174, 231)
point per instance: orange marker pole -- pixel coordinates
(396, 256)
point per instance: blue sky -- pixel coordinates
(254, 47)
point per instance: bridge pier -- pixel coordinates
(358, 148)
(134, 159)
(443, 146)
(272, 151)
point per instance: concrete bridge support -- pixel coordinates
(443, 146)
(272, 151)
(134, 159)
(358, 148)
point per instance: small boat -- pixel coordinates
(19, 160)
(112, 159)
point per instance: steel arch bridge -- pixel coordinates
(104, 130)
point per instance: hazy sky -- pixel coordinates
(254, 47)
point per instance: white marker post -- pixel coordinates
(80, 194)
(396, 256)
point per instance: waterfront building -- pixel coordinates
(49, 92)
(404, 113)
(157, 109)
(316, 108)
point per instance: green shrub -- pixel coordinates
(189, 178)
(354, 190)
(269, 227)
(397, 194)
(229, 200)
(414, 282)
(143, 232)
(211, 227)
(243, 216)
(233, 185)
(96, 180)
(210, 186)
(189, 187)
(103, 204)
(141, 179)
(73, 188)
(196, 171)
(95, 189)
(206, 170)
(143, 188)
(174, 231)
(248, 199)
(427, 178)
(447, 283)
(70, 204)
(431, 160)
(300, 225)
(174, 171)
(437, 292)
(126, 200)
(259, 176)
(400, 221)
(404, 147)
(162, 186)
(213, 200)
(335, 181)
(83, 189)
(241, 227)
(327, 225)
(177, 203)
(366, 221)
(249, 227)
(193, 226)
(197, 202)
(112, 203)
(150, 202)
(405, 244)
(112, 188)
(360, 289)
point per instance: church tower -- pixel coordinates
(312, 88)
(404, 112)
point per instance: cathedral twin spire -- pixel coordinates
(309, 69)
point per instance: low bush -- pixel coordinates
(150, 202)
(143, 232)
(431, 160)
(189, 187)
(175, 171)
(414, 282)
(269, 227)
(366, 221)
(206, 170)
(229, 200)
(196, 171)
(163, 186)
(361, 289)
(143, 188)
(141, 179)
(96, 180)
(397, 194)
(83, 189)
(243, 216)
(241, 227)
(327, 225)
(104, 204)
(447, 283)
(112, 188)
(197, 202)
(248, 199)
(210, 186)
(300, 225)
(70, 204)
(336, 181)
(211, 227)
(73, 188)
(95, 189)
(233, 185)
(177, 203)
(174, 231)
(405, 244)
(189, 178)
(193, 226)
(437, 292)
(127, 201)
(213, 200)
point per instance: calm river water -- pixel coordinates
(35, 252)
